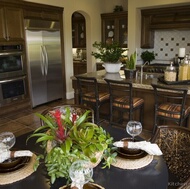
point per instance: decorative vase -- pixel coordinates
(130, 74)
(112, 67)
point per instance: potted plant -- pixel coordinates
(130, 66)
(147, 56)
(67, 137)
(110, 54)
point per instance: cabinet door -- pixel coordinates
(114, 28)
(79, 34)
(108, 31)
(123, 34)
(13, 24)
(2, 25)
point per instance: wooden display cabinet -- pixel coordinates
(115, 27)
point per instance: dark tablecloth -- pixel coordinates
(153, 176)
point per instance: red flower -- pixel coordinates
(74, 117)
(60, 131)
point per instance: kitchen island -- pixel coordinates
(142, 88)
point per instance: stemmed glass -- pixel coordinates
(7, 140)
(80, 173)
(134, 128)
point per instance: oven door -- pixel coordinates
(11, 64)
(12, 90)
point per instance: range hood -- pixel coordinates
(38, 24)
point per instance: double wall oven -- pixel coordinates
(12, 74)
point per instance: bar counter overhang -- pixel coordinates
(141, 88)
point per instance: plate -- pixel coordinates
(130, 153)
(9, 167)
(110, 34)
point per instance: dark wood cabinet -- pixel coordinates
(115, 28)
(162, 19)
(79, 67)
(11, 24)
(12, 15)
(78, 31)
(40, 11)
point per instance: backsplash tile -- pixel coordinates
(167, 44)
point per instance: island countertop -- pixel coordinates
(141, 82)
(141, 88)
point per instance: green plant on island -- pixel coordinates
(130, 63)
(109, 53)
(147, 56)
(68, 137)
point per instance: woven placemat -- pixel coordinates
(132, 163)
(86, 186)
(25, 171)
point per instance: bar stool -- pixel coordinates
(91, 95)
(170, 104)
(122, 100)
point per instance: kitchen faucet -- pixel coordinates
(142, 68)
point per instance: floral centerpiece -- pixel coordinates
(68, 137)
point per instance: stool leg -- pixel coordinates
(142, 114)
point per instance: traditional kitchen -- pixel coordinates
(71, 70)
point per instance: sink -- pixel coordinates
(148, 75)
(151, 75)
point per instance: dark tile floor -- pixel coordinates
(25, 120)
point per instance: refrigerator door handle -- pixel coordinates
(42, 62)
(46, 61)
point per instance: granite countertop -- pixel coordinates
(139, 82)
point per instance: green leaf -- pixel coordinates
(45, 138)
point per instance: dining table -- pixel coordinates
(151, 176)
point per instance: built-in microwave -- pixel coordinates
(12, 90)
(11, 61)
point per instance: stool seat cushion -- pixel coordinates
(91, 96)
(123, 102)
(172, 110)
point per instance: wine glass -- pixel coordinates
(7, 140)
(80, 173)
(134, 128)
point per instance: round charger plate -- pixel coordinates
(20, 172)
(86, 186)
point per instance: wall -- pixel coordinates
(167, 44)
(134, 18)
(91, 10)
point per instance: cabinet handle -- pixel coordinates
(8, 38)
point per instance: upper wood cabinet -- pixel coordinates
(114, 27)
(11, 24)
(39, 11)
(162, 19)
(78, 31)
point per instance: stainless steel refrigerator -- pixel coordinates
(44, 59)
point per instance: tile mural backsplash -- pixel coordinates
(167, 44)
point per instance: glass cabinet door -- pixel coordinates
(123, 34)
(114, 27)
(109, 31)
